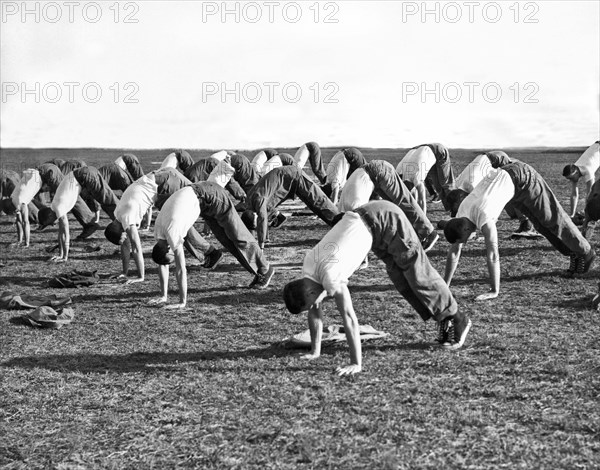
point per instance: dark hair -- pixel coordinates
(113, 232)
(294, 296)
(454, 200)
(6, 205)
(569, 170)
(456, 229)
(161, 255)
(409, 185)
(46, 216)
(248, 219)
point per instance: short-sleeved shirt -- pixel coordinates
(472, 175)
(337, 170)
(221, 155)
(339, 254)
(221, 174)
(66, 195)
(170, 161)
(301, 156)
(357, 191)
(259, 161)
(136, 201)
(271, 164)
(589, 162)
(177, 217)
(121, 163)
(416, 164)
(487, 200)
(28, 187)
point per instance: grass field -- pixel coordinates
(126, 386)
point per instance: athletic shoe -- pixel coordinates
(88, 230)
(279, 220)
(460, 324)
(212, 259)
(429, 241)
(443, 330)
(585, 262)
(261, 281)
(572, 264)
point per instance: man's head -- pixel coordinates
(7, 206)
(114, 233)
(46, 216)
(498, 158)
(572, 172)
(454, 199)
(162, 254)
(459, 230)
(249, 219)
(301, 294)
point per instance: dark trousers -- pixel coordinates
(94, 187)
(442, 179)
(196, 244)
(389, 186)
(534, 198)
(407, 265)
(316, 162)
(315, 199)
(229, 229)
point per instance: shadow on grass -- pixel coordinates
(309, 242)
(158, 361)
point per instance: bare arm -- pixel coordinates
(181, 275)
(335, 194)
(25, 222)
(315, 326)
(493, 260)
(262, 225)
(135, 244)
(19, 226)
(351, 327)
(64, 239)
(452, 261)
(574, 198)
(163, 281)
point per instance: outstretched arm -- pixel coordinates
(262, 225)
(574, 198)
(422, 196)
(181, 275)
(163, 281)
(64, 239)
(452, 261)
(493, 260)
(315, 326)
(25, 221)
(135, 245)
(351, 327)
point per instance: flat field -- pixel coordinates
(127, 386)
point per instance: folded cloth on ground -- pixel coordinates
(75, 279)
(12, 300)
(47, 317)
(331, 334)
(530, 235)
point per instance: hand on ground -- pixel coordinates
(488, 296)
(309, 356)
(157, 301)
(349, 370)
(175, 307)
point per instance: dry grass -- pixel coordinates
(128, 386)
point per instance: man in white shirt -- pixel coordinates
(311, 152)
(520, 184)
(340, 168)
(22, 196)
(585, 169)
(180, 159)
(384, 228)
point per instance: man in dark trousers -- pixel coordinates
(277, 186)
(382, 227)
(311, 152)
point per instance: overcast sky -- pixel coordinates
(383, 74)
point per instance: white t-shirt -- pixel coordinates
(472, 175)
(357, 191)
(136, 200)
(121, 164)
(301, 156)
(66, 195)
(258, 161)
(589, 162)
(221, 155)
(488, 198)
(177, 217)
(339, 254)
(170, 161)
(28, 187)
(416, 164)
(221, 174)
(273, 163)
(337, 170)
